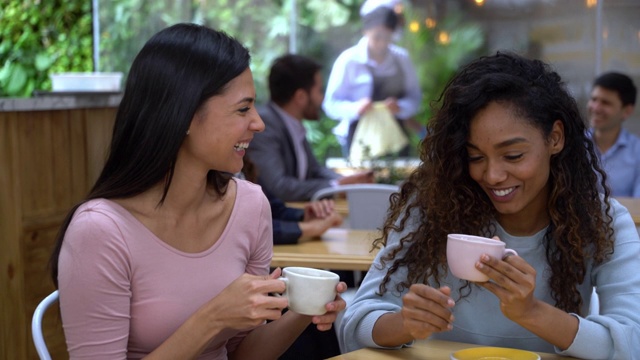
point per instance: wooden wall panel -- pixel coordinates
(80, 181)
(34, 144)
(99, 127)
(13, 342)
(48, 161)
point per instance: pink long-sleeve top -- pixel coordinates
(123, 291)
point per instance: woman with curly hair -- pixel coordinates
(506, 156)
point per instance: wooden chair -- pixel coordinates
(36, 325)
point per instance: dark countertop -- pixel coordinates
(43, 101)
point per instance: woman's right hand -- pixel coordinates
(427, 310)
(246, 303)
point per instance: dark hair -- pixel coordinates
(288, 74)
(381, 16)
(621, 84)
(442, 192)
(175, 73)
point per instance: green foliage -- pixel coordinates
(437, 61)
(322, 140)
(38, 38)
(125, 25)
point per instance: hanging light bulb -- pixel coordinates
(443, 37)
(414, 26)
(430, 23)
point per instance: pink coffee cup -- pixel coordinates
(463, 251)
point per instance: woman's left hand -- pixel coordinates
(513, 281)
(325, 322)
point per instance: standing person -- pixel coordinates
(290, 169)
(612, 101)
(396, 5)
(168, 256)
(506, 155)
(374, 70)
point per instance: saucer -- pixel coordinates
(493, 353)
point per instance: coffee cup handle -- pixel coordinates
(286, 283)
(508, 252)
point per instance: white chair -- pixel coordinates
(368, 203)
(36, 325)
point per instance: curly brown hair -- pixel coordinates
(443, 194)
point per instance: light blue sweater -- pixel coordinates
(613, 334)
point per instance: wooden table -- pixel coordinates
(422, 350)
(633, 205)
(338, 249)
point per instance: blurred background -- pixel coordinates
(52, 148)
(580, 38)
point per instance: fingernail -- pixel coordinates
(451, 302)
(485, 257)
(479, 265)
(449, 327)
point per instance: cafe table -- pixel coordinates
(633, 205)
(423, 350)
(337, 249)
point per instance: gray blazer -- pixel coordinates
(273, 153)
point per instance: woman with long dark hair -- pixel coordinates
(506, 155)
(168, 256)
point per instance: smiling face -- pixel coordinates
(606, 112)
(223, 127)
(510, 160)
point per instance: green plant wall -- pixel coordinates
(438, 52)
(38, 38)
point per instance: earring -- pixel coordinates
(188, 131)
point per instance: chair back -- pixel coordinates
(36, 325)
(368, 203)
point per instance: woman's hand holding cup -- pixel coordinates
(246, 303)
(481, 259)
(315, 293)
(464, 253)
(325, 322)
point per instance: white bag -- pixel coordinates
(377, 134)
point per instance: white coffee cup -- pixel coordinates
(309, 290)
(464, 251)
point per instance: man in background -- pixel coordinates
(286, 164)
(612, 101)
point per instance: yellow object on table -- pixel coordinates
(425, 350)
